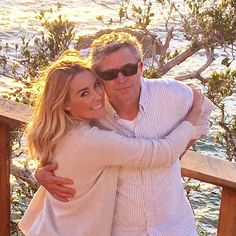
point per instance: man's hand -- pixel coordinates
(53, 184)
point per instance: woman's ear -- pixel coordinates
(67, 106)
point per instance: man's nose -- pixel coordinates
(120, 78)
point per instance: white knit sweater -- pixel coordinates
(91, 158)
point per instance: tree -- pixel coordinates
(205, 26)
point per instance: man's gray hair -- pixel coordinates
(109, 43)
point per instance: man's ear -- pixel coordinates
(141, 66)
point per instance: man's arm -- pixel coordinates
(53, 184)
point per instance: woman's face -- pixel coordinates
(86, 97)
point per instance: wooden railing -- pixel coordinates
(204, 168)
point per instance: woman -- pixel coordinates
(72, 97)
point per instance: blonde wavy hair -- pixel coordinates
(50, 120)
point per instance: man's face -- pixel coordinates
(123, 88)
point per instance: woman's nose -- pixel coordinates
(97, 95)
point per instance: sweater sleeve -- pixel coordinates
(107, 148)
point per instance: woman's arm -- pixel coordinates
(103, 148)
(100, 149)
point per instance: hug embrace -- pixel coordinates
(119, 138)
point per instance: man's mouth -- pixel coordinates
(122, 88)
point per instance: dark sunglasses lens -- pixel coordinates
(109, 75)
(129, 69)
(126, 70)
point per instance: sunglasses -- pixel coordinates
(126, 70)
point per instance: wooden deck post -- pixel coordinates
(4, 180)
(227, 216)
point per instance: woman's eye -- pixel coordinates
(85, 93)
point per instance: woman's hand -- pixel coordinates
(195, 111)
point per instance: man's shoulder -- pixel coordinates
(167, 85)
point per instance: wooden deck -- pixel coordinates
(204, 168)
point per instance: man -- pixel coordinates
(152, 201)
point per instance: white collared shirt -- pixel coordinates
(152, 201)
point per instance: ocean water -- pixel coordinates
(17, 19)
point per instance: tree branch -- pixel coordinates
(166, 46)
(102, 4)
(178, 59)
(197, 73)
(22, 174)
